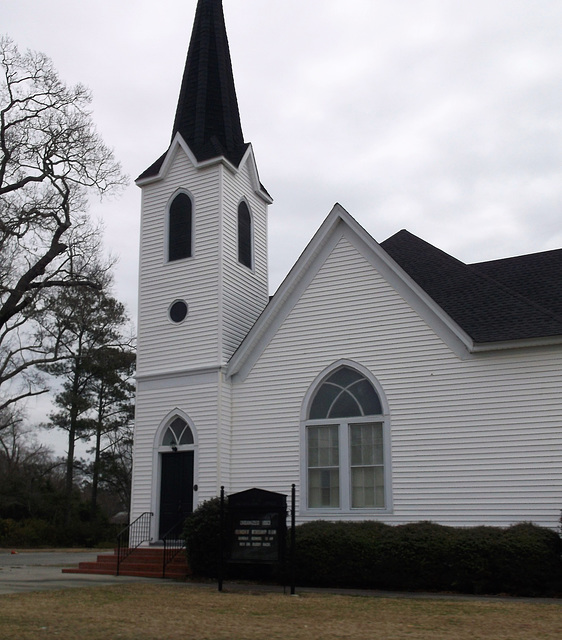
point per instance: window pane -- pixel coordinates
(323, 401)
(244, 235)
(186, 436)
(345, 407)
(366, 444)
(177, 426)
(367, 487)
(178, 433)
(323, 446)
(367, 472)
(367, 397)
(178, 311)
(323, 461)
(344, 377)
(169, 438)
(323, 488)
(179, 230)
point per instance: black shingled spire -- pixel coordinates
(207, 115)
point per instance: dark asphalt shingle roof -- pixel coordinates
(510, 299)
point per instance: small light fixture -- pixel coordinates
(174, 446)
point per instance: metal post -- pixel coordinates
(221, 540)
(293, 542)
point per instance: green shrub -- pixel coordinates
(521, 560)
(36, 532)
(31, 532)
(202, 539)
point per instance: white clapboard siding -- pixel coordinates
(198, 401)
(475, 441)
(244, 291)
(163, 345)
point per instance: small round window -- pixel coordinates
(178, 311)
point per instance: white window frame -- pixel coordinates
(167, 228)
(344, 441)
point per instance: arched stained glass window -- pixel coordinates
(177, 434)
(345, 394)
(244, 235)
(179, 228)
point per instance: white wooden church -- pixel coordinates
(386, 381)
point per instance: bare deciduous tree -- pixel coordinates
(51, 159)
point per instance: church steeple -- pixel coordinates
(207, 114)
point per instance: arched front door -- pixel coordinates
(176, 476)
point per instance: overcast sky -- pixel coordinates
(443, 117)
(440, 116)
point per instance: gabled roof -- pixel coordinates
(499, 304)
(511, 299)
(338, 224)
(207, 115)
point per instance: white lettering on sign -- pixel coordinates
(242, 532)
(250, 523)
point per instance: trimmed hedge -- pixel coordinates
(521, 560)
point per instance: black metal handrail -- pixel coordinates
(174, 542)
(132, 536)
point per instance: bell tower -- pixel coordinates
(203, 282)
(203, 264)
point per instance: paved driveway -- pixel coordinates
(40, 570)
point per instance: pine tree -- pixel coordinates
(89, 327)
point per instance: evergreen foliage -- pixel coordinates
(523, 559)
(202, 538)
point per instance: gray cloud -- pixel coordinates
(441, 117)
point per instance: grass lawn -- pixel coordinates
(170, 611)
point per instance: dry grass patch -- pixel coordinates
(167, 612)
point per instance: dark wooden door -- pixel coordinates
(176, 489)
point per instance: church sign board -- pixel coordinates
(256, 527)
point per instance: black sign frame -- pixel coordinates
(254, 529)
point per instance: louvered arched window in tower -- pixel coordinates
(180, 227)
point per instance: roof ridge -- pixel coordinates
(515, 258)
(513, 292)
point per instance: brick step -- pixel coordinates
(128, 572)
(132, 566)
(141, 563)
(112, 560)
